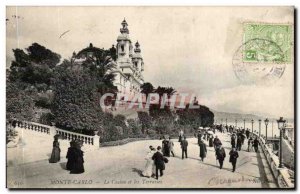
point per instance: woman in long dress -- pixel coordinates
(78, 167)
(148, 172)
(55, 155)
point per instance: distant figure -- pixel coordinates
(243, 138)
(247, 133)
(217, 142)
(78, 155)
(255, 144)
(184, 144)
(239, 143)
(171, 147)
(180, 135)
(55, 155)
(149, 163)
(199, 136)
(203, 150)
(220, 155)
(71, 156)
(211, 143)
(159, 162)
(165, 147)
(232, 141)
(233, 158)
(250, 144)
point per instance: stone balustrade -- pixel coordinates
(51, 131)
(282, 175)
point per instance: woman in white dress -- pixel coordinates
(149, 163)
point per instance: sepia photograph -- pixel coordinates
(150, 97)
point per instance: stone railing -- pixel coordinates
(281, 175)
(33, 127)
(51, 131)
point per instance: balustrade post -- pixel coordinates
(52, 131)
(96, 141)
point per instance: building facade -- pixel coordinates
(129, 62)
(127, 58)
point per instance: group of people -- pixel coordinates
(155, 162)
(74, 156)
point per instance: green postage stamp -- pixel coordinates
(273, 43)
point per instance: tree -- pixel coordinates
(34, 67)
(194, 118)
(147, 88)
(145, 120)
(76, 101)
(19, 101)
(101, 65)
(169, 91)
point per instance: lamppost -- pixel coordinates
(281, 123)
(252, 121)
(235, 122)
(244, 124)
(259, 122)
(266, 123)
(221, 121)
(226, 121)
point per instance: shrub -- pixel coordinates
(46, 119)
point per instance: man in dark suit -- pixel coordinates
(184, 144)
(255, 144)
(159, 162)
(221, 155)
(233, 158)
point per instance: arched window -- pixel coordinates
(122, 47)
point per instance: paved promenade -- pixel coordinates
(121, 166)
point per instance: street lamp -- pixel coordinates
(281, 126)
(221, 121)
(266, 123)
(259, 122)
(252, 121)
(226, 121)
(244, 124)
(235, 122)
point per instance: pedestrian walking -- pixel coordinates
(78, 155)
(55, 155)
(232, 141)
(71, 156)
(171, 147)
(180, 135)
(148, 171)
(184, 145)
(247, 133)
(165, 147)
(239, 143)
(255, 144)
(233, 158)
(203, 150)
(250, 144)
(217, 142)
(220, 155)
(159, 162)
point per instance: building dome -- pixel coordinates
(136, 55)
(123, 37)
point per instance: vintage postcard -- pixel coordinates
(150, 97)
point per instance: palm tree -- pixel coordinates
(147, 88)
(165, 90)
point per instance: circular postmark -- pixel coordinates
(258, 61)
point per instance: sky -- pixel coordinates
(188, 48)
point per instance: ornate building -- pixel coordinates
(128, 61)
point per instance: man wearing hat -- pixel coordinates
(159, 162)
